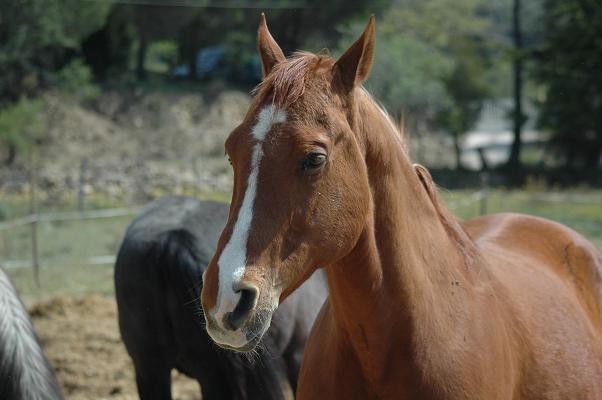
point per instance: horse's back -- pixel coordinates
(169, 242)
(157, 277)
(204, 219)
(160, 227)
(545, 244)
(546, 279)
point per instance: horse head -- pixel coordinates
(301, 191)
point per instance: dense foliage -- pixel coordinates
(570, 67)
(437, 60)
(431, 63)
(38, 37)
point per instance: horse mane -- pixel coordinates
(450, 222)
(397, 130)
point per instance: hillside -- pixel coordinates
(133, 143)
(137, 145)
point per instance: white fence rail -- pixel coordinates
(8, 227)
(67, 216)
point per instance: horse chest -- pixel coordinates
(334, 369)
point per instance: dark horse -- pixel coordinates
(24, 371)
(158, 282)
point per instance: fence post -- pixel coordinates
(483, 193)
(81, 194)
(33, 206)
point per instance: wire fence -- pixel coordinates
(53, 241)
(63, 231)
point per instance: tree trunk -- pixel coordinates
(33, 209)
(518, 119)
(458, 151)
(594, 154)
(484, 163)
(12, 154)
(140, 71)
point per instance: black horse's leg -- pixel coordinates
(153, 380)
(214, 386)
(292, 358)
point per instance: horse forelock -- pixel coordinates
(288, 80)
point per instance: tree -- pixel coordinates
(308, 23)
(518, 118)
(430, 64)
(107, 50)
(295, 24)
(408, 77)
(569, 66)
(467, 89)
(38, 37)
(20, 127)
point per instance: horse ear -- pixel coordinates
(354, 65)
(269, 51)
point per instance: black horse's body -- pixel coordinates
(24, 371)
(157, 281)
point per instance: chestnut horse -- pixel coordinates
(502, 307)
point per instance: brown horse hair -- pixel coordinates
(286, 82)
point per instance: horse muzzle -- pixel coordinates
(240, 318)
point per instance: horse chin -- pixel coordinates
(253, 332)
(249, 346)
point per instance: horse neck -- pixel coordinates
(390, 286)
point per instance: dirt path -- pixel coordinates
(81, 340)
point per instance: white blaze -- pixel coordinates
(233, 259)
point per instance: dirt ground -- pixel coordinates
(81, 340)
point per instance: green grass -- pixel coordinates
(69, 251)
(14, 205)
(580, 210)
(67, 242)
(62, 280)
(74, 241)
(66, 248)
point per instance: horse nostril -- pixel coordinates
(235, 319)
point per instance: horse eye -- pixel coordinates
(313, 162)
